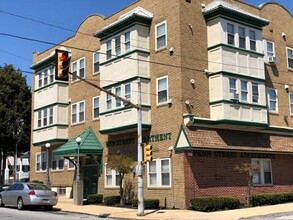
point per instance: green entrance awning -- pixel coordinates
(90, 145)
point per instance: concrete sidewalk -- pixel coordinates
(129, 213)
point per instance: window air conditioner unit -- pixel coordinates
(234, 97)
(272, 59)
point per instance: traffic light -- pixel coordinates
(147, 152)
(61, 65)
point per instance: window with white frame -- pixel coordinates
(162, 90)
(117, 45)
(109, 101)
(159, 173)
(127, 41)
(109, 49)
(232, 86)
(252, 40)
(243, 91)
(270, 49)
(78, 69)
(71, 165)
(255, 92)
(161, 35)
(40, 79)
(96, 59)
(46, 76)
(57, 163)
(127, 91)
(290, 57)
(263, 173)
(291, 103)
(272, 100)
(241, 37)
(112, 177)
(230, 34)
(77, 112)
(118, 93)
(96, 107)
(41, 161)
(43, 118)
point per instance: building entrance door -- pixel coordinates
(90, 180)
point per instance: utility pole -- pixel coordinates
(140, 166)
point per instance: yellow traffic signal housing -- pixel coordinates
(61, 65)
(147, 152)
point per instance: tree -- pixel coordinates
(123, 165)
(15, 112)
(249, 169)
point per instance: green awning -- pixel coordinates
(90, 145)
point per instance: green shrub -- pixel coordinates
(111, 200)
(94, 199)
(271, 199)
(148, 203)
(207, 204)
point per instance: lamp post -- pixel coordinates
(78, 141)
(47, 179)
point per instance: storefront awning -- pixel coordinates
(90, 145)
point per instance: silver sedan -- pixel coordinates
(28, 194)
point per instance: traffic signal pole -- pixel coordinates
(140, 166)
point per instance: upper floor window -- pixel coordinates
(252, 40)
(161, 35)
(162, 90)
(290, 57)
(41, 161)
(127, 91)
(159, 173)
(109, 101)
(263, 175)
(96, 62)
(78, 69)
(57, 163)
(39, 119)
(270, 49)
(43, 118)
(272, 100)
(77, 112)
(109, 49)
(241, 34)
(230, 34)
(244, 91)
(96, 107)
(112, 177)
(232, 86)
(118, 45)
(118, 93)
(46, 76)
(255, 93)
(291, 103)
(127, 41)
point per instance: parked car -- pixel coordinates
(28, 194)
(3, 187)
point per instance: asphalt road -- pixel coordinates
(280, 216)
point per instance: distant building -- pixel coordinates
(216, 91)
(22, 169)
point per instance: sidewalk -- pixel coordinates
(67, 205)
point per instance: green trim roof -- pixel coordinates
(90, 144)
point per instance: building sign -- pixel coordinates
(227, 154)
(145, 139)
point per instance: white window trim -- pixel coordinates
(159, 174)
(157, 90)
(77, 62)
(45, 75)
(287, 56)
(42, 117)
(45, 158)
(68, 162)
(166, 37)
(113, 174)
(96, 72)
(268, 100)
(77, 112)
(291, 113)
(57, 163)
(96, 97)
(262, 172)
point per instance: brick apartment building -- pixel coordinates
(216, 91)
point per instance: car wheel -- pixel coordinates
(49, 207)
(20, 204)
(1, 202)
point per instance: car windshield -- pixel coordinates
(37, 186)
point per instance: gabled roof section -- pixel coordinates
(90, 145)
(182, 141)
(222, 8)
(137, 15)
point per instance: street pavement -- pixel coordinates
(67, 205)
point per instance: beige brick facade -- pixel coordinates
(187, 34)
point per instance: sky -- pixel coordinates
(53, 21)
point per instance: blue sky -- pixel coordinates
(22, 18)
